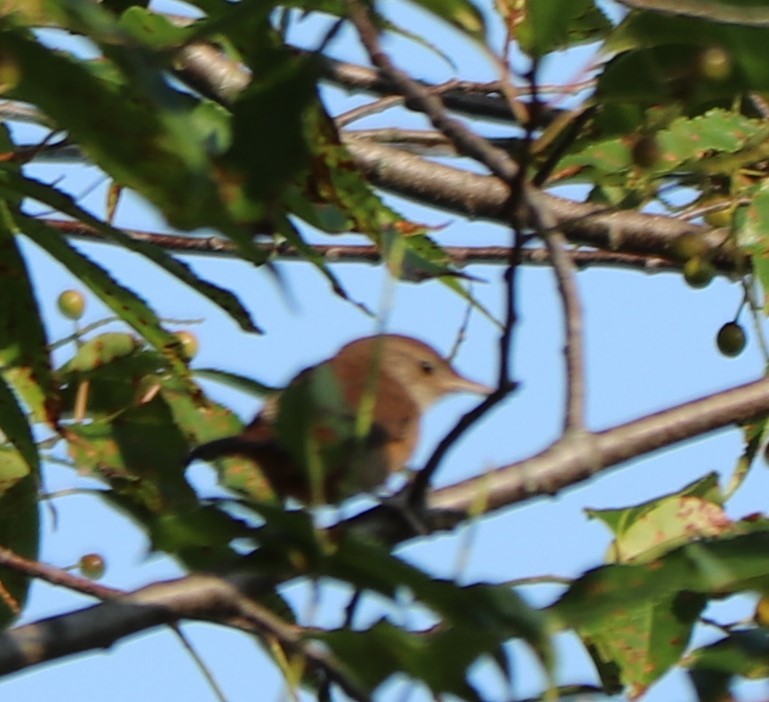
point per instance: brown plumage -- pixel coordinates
(341, 427)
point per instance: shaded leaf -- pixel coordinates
(236, 381)
(62, 202)
(23, 345)
(19, 529)
(123, 301)
(548, 25)
(15, 427)
(174, 169)
(732, 563)
(460, 13)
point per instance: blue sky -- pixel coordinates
(650, 343)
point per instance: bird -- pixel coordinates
(341, 427)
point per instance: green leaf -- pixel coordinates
(19, 529)
(732, 563)
(717, 142)
(462, 14)
(549, 25)
(751, 224)
(439, 660)
(645, 531)
(24, 360)
(662, 60)
(742, 652)
(267, 148)
(619, 520)
(475, 623)
(123, 301)
(639, 617)
(494, 612)
(140, 114)
(236, 381)
(644, 641)
(673, 522)
(102, 349)
(63, 203)
(318, 429)
(15, 426)
(152, 28)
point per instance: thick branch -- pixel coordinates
(484, 197)
(199, 597)
(101, 625)
(581, 456)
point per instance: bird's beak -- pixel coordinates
(462, 384)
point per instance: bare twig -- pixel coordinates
(424, 141)
(56, 576)
(361, 253)
(370, 108)
(467, 143)
(479, 100)
(420, 98)
(203, 667)
(565, 275)
(385, 103)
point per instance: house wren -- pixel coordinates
(341, 427)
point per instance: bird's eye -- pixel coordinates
(426, 367)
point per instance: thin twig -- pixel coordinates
(56, 576)
(424, 141)
(366, 253)
(468, 144)
(565, 275)
(205, 671)
(420, 98)
(385, 103)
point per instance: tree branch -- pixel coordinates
(581, 456)
(485, 197)
(199, 597)
(569, 461)
(363, 253)
(565, 275)
(423, 100)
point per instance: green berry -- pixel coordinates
(720, 218)
(714, 63)
(190, 344)
(92, 566)
(71, 304)
(731, 339)
(698, 272)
